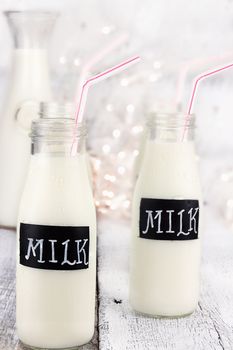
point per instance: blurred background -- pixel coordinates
(177, 40)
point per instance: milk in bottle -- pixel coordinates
(165, 244)
(56, 267)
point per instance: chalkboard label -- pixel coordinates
(54, 247)
(169, 219)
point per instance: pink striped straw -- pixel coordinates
(97, 57)
(196, 81)
(192, 65)
(95, 79)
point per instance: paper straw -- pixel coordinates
(97, 57)
(95, 79)
(196, 81)
(192, 65)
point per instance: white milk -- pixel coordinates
(30, 81)
(56, 309)
(164, 277)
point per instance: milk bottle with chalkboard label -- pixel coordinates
(56, 267)
(167, 210)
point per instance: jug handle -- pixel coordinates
(25, 113)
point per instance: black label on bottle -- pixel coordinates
(169, 219)
(54, 247)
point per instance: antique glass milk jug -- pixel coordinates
(29, 83)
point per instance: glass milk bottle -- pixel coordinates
(165, 244)
(56, 267)
(29, 82)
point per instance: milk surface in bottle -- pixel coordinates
(29, 83)
(165, 242)
(56, 267)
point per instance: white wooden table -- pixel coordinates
(118, 326)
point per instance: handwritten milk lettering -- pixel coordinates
(169, 219)
(54, 247)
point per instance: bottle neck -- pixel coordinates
(58, 136)
(170, 128)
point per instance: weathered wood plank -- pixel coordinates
(209, 328)
(8, 336)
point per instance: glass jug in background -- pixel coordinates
(167, 210)
(29, 82)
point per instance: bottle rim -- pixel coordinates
(40, 14)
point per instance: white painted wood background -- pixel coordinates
(118, 327)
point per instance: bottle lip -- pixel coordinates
(54, 129)
(40, 14)
(171, 120)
